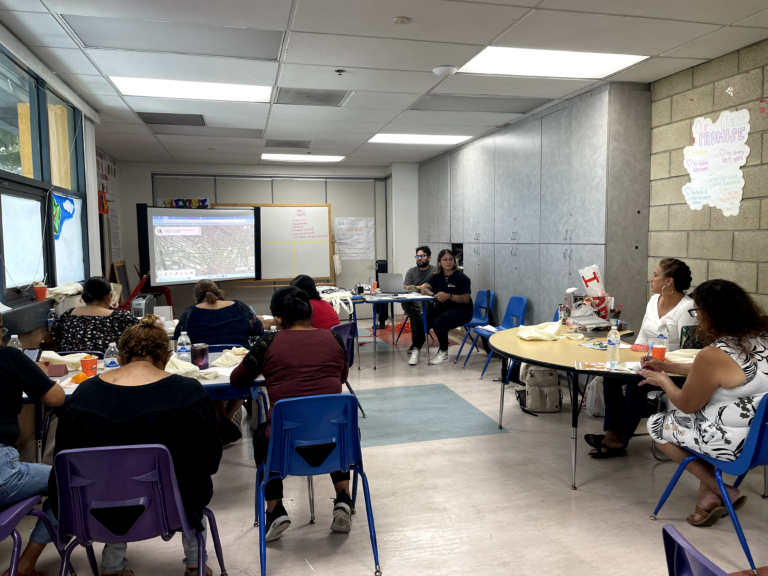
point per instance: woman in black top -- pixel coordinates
(140, 403)
(453, 297)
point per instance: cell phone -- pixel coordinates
(33, 354)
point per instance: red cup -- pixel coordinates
(88, 366)
(659, 353)
(40, 292)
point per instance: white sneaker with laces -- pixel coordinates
(441, 357)
(414, 357)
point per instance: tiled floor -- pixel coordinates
(496, 504)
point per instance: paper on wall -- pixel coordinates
(354, 238)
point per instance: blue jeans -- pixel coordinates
(113, 556)
(19, 481)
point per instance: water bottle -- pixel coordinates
(273, 329)
(614, 345)
(660, 344)
(51, 318)
(110, 357)
(15, 342)
(184, 348)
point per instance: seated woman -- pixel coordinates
(323, 314)
(20, 480)
(717, 403)
(140, 403)
(669, 304)
(453, 306)
(297, 361)
(93, 326)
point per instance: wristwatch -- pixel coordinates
(450, 296)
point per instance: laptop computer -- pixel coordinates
(391, 283)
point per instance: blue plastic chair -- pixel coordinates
(683, 559)
(329, 419)
(140, 477)
(480, 315)
(513, 317)
(347, 331)
(753, 454)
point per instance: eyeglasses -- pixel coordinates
(694, 312)
(3, 332)
(420, 256)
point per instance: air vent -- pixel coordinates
(479, 104)
(172, 119)
(301, 97)
(207, 131)
(288, 143)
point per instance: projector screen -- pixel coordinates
(190, 245)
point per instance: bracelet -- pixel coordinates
(450, 296)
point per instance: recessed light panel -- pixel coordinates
(548, 63)
(306, 97)
(301, 158)
(180, 89)
(417, 139)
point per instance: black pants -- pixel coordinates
(441, 320)
(274, 488)
(623, 413)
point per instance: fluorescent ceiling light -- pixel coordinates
(548, 63)
(417, 139)
(191, 90)
(301, 158)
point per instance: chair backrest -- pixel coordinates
(347, 333)
(329, 421)
(99, 355)
(683, 559)
(557, 315)
(755, 449)
(138, 481)
(483, 303)
(515, 314)
(222, 347)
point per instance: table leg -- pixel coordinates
(374, 335)
(39, 419)
(392, 322)
(357, 334)
(574, 422)
(765, 482)
(426, 330)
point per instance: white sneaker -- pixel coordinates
(414, 357)
(441, 357)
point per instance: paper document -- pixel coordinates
(604, 367)
(601, 345)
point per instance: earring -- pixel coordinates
(662, 291)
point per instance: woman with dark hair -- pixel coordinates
(296, 361)
(716, 405)
(140, 403)
(453, 306)
(323, 314)
(668, 305)
(93, 326)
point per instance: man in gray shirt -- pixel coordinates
(418, 276)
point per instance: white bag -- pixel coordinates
(593, 402)
(545, 331)
(592, 280)
(540, 391)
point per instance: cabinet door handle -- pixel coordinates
(570, 235)
(511, 251)
(515, 251)
(565, 252)
(570, 253)
(565, 234)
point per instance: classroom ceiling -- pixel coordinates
(387, 85)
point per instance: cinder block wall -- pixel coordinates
(714, 246)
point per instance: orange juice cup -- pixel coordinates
(659, 353)
(88, 365)
(375, 286)
(40, 292)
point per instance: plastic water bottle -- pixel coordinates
(51, 318)
(110, 357)
(662, 341)
(273, 329)
(15, 342)
(614, 345)
(184, 348)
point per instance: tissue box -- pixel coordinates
(56, 370)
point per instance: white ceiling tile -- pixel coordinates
(211, 147)
(119, 117)
(84, 84)
(380, 100)
(432, 20)
(102, 102)
(332, 114)
(322, 77)
(113, 137)
(207, 107)
(320, 144)
(455, 118)
(714, 11)
(654, 69)
(719, 43)
(337, 50)
(323, 126)
(351, 137)
(174, 139)
(399, 149)
(367, 162)
(510, 86)
(184, 67)
(26, 5)
(233, 121)
(111, 146)
(550, 30)
(266, 14)
(215, 158)
(143, 157)
(122, 128)
(315, 151)
(65, 60)
(440, 129)
(36, 29)
(758, 20)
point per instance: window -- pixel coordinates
(22, 240)
(19, 138)
(67, 221)
(62, 138)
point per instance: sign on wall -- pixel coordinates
(719, 151)
(354, 238)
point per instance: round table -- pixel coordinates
(561, 354)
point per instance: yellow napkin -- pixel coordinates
(227, 359)
(72, 360)
(545, 331)
(176, 366)
(572, 336)
(207, 375)
(682, 356)
(239, 351)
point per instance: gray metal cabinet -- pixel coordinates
(478, 191)
(583, 255)
(517, 274)
(432, 187)
(457, 197)
(555, 176)
(554, 279)
(444, 199)
(423, 205)
(479, 266)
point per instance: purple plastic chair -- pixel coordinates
(347, 332)
(683, 559)
(141, 481)
(9, 519)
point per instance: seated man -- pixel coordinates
(417, 276)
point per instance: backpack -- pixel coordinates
(539, 389)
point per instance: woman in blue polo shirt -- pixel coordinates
(453, 298)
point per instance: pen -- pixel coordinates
(252, 310)
(650, 349)
(593, 337)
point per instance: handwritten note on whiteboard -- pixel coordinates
(354, 238)
(714, 161)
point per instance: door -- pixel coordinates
(444, 199)
(423, 205)
(583, 255)
(505, 173)
(479, 266)
(457, 197)
(555, 176)
(554, 279)
(432, 187)
(478, 191)
(527, 189)
(517, 274)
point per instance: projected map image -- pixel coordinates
(191, 249)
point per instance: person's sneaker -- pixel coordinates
(342, 513)
(414, 357)
(441, 357)
(277, 523)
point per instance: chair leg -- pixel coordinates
(486, 364)
(16, 553)
(405, 321)
(46, 428)
(66, 557)
(356, 398)
(654, 448)
(734, 519)
(765, 482)
(471, 348)
(509, 372)
(371, 527)
(739, 480)
(354, 490)
(200, 554)
(673, 482)
(92, 560)
(216, 540)
(311, 490)
(466, 335)
(256, 503)
(501, 403)
(262, 528)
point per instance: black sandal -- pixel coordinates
(609, 452)
(594, 440)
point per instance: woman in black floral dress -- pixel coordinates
(93, 326)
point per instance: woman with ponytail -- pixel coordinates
(297, 361)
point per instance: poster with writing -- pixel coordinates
(719, 151)
(354, 238)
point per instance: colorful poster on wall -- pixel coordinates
(714, 162)
(106, 168)
(354, 238)
(186, 203)
(68, 238)
(103, 204)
